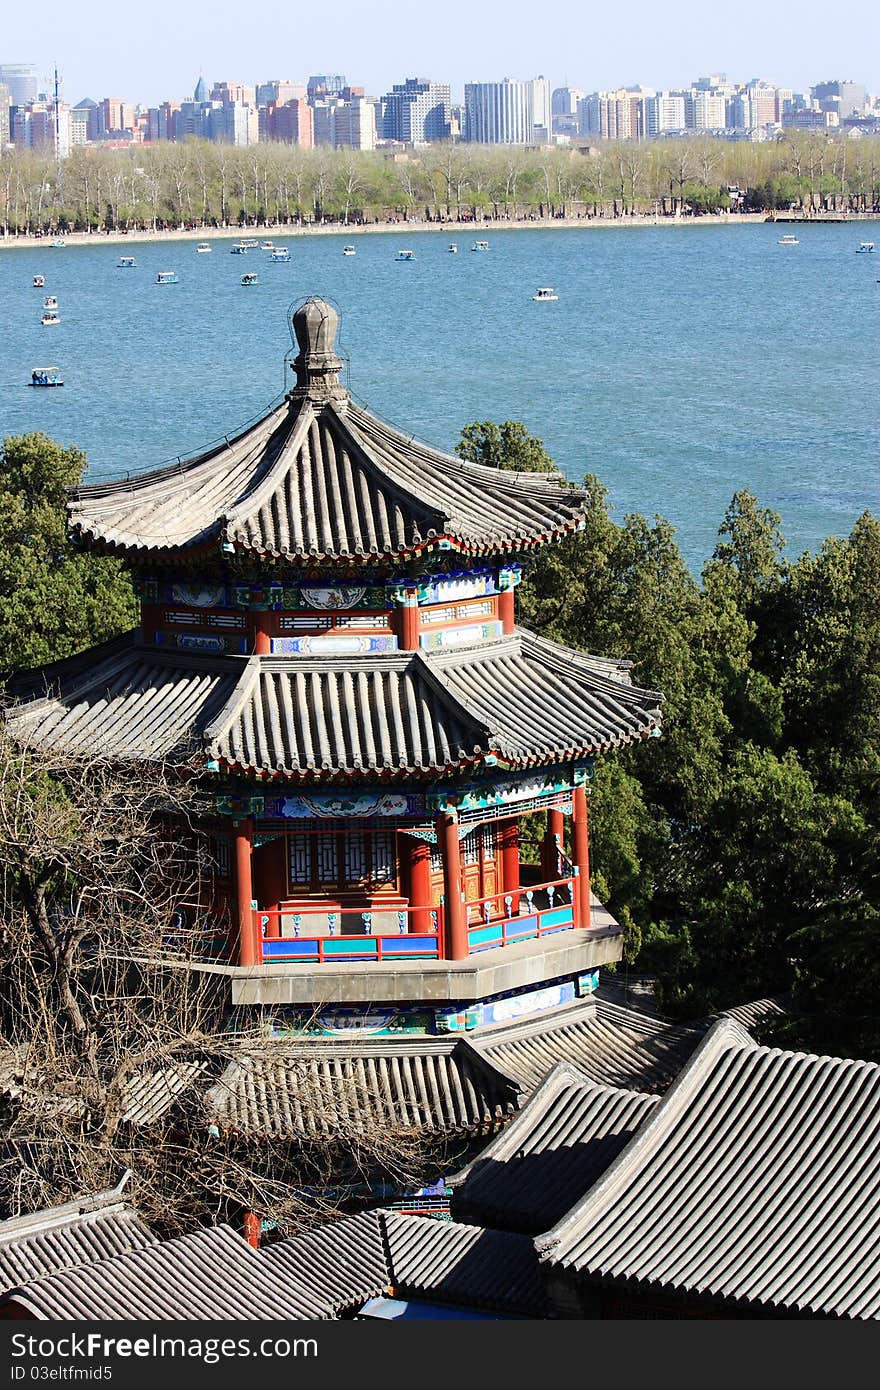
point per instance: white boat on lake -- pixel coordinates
(126, 263)
(250, 278)
(480, 246)
(348, 251)
(279, 253)
(203, 248)
(788, 240)
(545, 293)
(166, 277)
(405, 256)
(49, 318)
(865, 246)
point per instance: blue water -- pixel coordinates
(678, 364)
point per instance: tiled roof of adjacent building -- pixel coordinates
(610, 1045)
(79, 1232)
(209, 1274)
(519, 698)
(755, 1183)
(318, 479)
(550, 1154)
(325, 1089)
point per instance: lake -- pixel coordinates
(679, 364)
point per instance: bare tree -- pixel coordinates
(107, 910)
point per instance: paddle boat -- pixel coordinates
(39, 281)
(46, 376)
(166, 277)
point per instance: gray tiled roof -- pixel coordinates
(210, 1274)
(546, 1158)
(88, 1229)
(756, 1181)
(344, 1261)
(323, 481)
(519, 697)
(612, 1046)
(303, 1089)
(464, 1265)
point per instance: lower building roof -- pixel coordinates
(755, 1182)
(550, 1154)
(91, 1228)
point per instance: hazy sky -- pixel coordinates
(155, 51)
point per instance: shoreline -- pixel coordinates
(398, 228)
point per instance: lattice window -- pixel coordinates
(300, 855)
(221, 851)
(355, 857)
(383, 857)
(489, 837)
(436, 859)
(328, 858)
(437, 615)
(471, 848)
(474, 610)
(304, 624)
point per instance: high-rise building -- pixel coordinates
(846, 98)
(705, 110)
(37, 126)
(280, 91)
(22, 82)
(415, 111)
(664, 111)
(325, 85)
(563, 109)
(5, 129)
(618, 115)
(503, 113)
(292, 123)
(238, 92)
(345, 121)
(201, 91)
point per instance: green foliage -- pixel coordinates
(741, 850)
(508, 445)
(53, 601)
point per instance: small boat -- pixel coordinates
(46, 376)
(51, 301)
(126, 263)
(203, 248)
(49, 318)
(239, 249)
(279, 253)
(865, 246)
(453, 249)
(405, 256)
(250, 278)
(39, 281)
(480, 246)
(58, 241)
(166, 277)
(348, 251)
(249, 242)
(267, 246)
(546, 292)
(788, 240)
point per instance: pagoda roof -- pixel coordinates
(320, 480)
(519, 700)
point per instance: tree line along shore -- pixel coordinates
(197, 185)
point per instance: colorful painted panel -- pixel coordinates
(201, 642)
(470, 584)
(504, 792)
(330, 805)
(347, 644)
(458, 636)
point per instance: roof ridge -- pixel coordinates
(241, 691)
(494, 737)
(726, 1033)
(260, 491)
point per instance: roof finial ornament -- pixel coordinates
(316, 364)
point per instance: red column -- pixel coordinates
(419, 884)
(151, 614)
(252, 1229)
(249, 952)
(453, 904)
(264, 622)
(506, 610)
(508, 841)
(408, 627)
(581, 854)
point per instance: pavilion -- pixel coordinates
(328, 629)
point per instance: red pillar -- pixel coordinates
(508, 841)
(419, 885)
(581, 854)
(151, 614)
(551, 845)
(506, 610)
(453, 905)
(408, 627)
(264, 622)
(252, 1229)
(249, 952)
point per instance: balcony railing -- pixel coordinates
(333, 931)
(533, 911)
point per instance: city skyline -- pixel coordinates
(666, 50)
